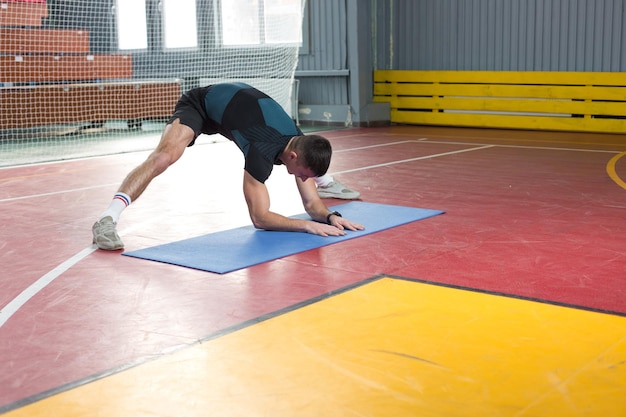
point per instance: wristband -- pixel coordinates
(336, 213)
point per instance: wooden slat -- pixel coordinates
(498, 105)
(510, 122)
(34, 40)
(499, 90)
(26, 69)
(585, 101)
(74, 103)
(113, 66)
(22, 14)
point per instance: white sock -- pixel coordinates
(324, 180)
(118, 204)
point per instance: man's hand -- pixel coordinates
(342, 224)
(323, 229)
(337, 227)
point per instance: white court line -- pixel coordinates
(547, 148)
(13, 306)
(40, 284)
(422, 140)
(4, 200)
(415, 159)
(375, 146)
(426, 140)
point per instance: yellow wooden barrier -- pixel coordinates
(572, 101)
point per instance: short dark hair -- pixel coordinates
(315, 151)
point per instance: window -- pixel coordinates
(179, 24)
(261, 22)
(132, 32)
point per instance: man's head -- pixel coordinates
(312, 152)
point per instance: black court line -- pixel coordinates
(507, 295)
(101, 375)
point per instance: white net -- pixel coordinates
(82, 77)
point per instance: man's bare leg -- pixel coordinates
(174, 140)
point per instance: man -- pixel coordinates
(263, 132)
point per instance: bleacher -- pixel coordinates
(49, 76)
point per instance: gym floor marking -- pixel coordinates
(610, 169)
(12, 307)
(387, 346)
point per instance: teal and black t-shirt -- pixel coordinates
(255, 122)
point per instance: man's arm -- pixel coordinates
(258, 200)
(316, 208)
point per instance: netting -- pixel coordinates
(83, 77)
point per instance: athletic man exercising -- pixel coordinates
(263, 132)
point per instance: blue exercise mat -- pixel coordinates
(239, 248)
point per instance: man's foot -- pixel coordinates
(105, 236)
(337, 190)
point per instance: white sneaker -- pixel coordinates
(105, 236)
(337, 190)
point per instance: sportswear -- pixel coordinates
(250, 118)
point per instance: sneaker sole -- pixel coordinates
(107, 248)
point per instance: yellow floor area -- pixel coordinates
(389, 347)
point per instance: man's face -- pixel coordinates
(299, 170)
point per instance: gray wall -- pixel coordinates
(517, 35)
(335, 68)
(323, 69)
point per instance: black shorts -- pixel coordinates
(190, 111)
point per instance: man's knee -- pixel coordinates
(173, 143)
(161, 161)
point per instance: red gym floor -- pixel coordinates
(511, 303)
